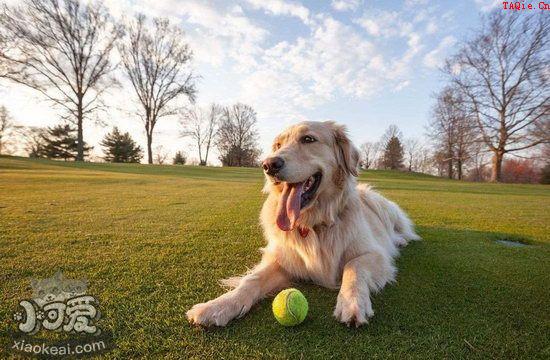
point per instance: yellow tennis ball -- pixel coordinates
(290, 307)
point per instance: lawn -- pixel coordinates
(154, 240)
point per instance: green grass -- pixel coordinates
(154, 240)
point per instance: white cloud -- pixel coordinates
(219, 33)
(488, 5)
(345, 5)
(221, 23)
(401, 67)
(435, 58)
(332, 60)
(281, 7)
(431, 28)
(413, 3)
(387, 23)
(403, 84)
(416, 22)
(213, 32)
(382, 23)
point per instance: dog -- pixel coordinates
(321, 226)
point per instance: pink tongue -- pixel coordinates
(288, 210)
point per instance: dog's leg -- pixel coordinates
(362, 276)
(265, 278)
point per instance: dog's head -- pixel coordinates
(310, 162)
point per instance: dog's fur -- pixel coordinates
(354, 232)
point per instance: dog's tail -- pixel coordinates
(392, 216)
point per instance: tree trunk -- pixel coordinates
(206, 155)
(149, 148)
(80, 135)
(496, 173)
(201, 161)
(149, 126)
(450, 168)
(459, 169)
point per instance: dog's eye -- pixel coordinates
(308, 139)
(277, 146)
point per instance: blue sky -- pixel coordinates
(367, 64)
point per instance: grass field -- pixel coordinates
(154, 240)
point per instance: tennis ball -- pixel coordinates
(290, 307)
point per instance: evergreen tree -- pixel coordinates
(180, 158)
(121, 148)
(393, 154)
(60, 142)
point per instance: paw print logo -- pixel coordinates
(40, 315)
(18, 316)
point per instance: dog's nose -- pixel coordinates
(273, 165)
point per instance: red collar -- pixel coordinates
(304, 231)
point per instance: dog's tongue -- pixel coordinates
(288, 210)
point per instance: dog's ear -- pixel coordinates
(346, 154)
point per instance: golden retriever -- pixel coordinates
(320, 226)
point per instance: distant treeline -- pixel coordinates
(495, 103)
(64, 50)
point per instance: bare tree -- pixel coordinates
(442, 128)
(6, 129)
(411, 147)
(452, 130)
(478, 168)
(33, 140)
(424, 160)
(539, 132)
(5, 70)
(201, 126)
(156, 60)
(160, 155)
(466, 137)
(503, 75)
(237, 136)
(61, 48)
(3, 65)
(370, 152)
(440, 161)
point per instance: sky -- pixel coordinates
(367, 64)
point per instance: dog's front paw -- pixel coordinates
(208, 314)
(216, 312)
(350, 310)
